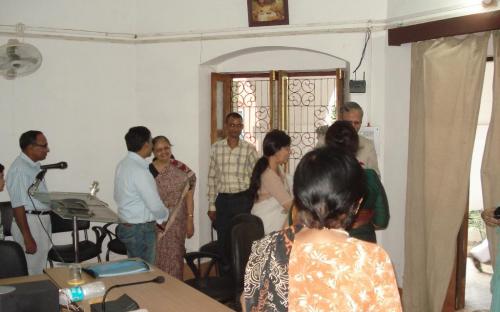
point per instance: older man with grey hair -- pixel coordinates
(352, 112)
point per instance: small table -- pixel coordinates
(172, 295)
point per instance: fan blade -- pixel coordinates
(10, 74)
(5, 66)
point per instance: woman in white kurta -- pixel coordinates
(268, 185)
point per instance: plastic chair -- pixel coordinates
(12, 260)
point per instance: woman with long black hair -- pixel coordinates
(268, 185)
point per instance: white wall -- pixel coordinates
(91, 15)
(193, 15)
(395, 155)
(167, 101)
(83, 99)
(402, 9)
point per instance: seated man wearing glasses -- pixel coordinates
(32, 228)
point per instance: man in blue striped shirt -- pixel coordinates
(32, 229)
(139, 204)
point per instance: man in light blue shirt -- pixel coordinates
(32, 228)
(137, 198)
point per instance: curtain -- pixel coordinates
(490, 168)
(446, 83)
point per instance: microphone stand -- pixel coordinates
(159, 279)
(38, 179)
(32, 190)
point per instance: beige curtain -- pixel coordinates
(446, 81)
(490, 168)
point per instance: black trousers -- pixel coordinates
(227, 206)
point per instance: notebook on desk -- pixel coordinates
(117, 268)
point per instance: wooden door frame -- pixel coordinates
(226, 102)
(226, 79)
(455, 295)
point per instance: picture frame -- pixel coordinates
(267, 12)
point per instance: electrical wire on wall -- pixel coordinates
(368, 35)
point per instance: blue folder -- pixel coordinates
(117, 268)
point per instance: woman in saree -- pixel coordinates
(268, 184)
(374, 211)
(176, 184)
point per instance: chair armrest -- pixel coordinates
(100, 235)
(191, 257)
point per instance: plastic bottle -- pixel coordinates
(83, 292)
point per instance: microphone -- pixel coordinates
(59, 165)
(39, 177)
(159, 280)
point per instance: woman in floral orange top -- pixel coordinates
(328, 270)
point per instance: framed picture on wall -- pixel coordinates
(267, 12)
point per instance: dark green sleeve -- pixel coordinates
(380, 205)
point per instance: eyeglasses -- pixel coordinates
(232, 125)
(46, 145)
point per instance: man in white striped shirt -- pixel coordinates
(32, 227)
(231, 165)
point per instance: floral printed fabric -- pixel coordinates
(351, 275)
(266, 274)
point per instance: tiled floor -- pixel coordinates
(477, 288)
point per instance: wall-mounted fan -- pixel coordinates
(18, 59)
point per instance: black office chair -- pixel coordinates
(7, 217)
(212, 245)
(66, 253)
(243, 234)
(115, 244)
(12, 260)
(221, 288)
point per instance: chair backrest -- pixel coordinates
(7, 216)
(240, 218)
(12, 260)
(249, 229)
(60, 225)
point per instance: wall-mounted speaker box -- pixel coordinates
(357, 86)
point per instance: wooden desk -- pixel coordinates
(172, 295)
(23, 279)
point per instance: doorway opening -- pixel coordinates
(295, 102)
(478, 265)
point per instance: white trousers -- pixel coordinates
(37, 261)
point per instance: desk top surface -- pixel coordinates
(23, 279)
(172, 295)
